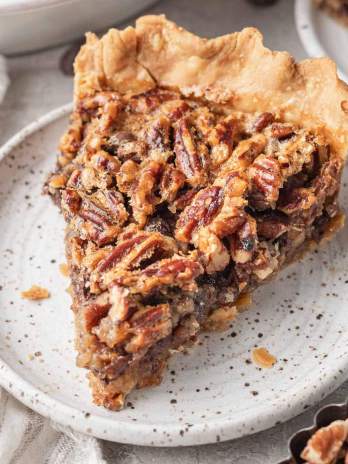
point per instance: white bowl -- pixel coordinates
(321, 35)
(27, 25)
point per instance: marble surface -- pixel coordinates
(38, 85)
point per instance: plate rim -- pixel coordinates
(110, 428)
(304, 10)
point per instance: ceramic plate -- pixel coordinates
(321, 35)
(214, 394)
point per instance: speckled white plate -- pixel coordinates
(321, 35)
(214, 394)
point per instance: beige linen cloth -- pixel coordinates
(27, 437)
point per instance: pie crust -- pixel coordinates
(192, 171)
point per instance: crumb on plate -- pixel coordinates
(64, 269)
(243, 301)
(263, 358)
(35, 293)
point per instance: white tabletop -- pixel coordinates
(38, 85)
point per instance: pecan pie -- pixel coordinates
(191, 172)
(338, 9)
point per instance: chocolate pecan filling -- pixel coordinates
(175, 207)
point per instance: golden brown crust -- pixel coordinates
(234, 67)
(111, 61)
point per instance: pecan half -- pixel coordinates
(282, 131)
(176, 271)
(143, 199)
(200, 212)
(266, 180)
(262, 121)
(231, 215)
(148, 326)
(131, 251)
(191, 156)
(121, 251)
(221, 139)
(102, 213)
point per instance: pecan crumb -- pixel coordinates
(57, 181)
(243, 301)
(35, 293)
(263, 358)
(64, 269)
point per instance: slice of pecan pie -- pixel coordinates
(192, 171)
